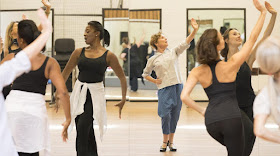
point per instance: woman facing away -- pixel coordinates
(13, 68)
(244, 91)
(27, 114)
(267, 103)
(87, 100)
(169, 82)
(218, 80)
(11, 43)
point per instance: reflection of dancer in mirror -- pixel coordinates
(244, 91)
(135, 69)
(218, 80)
(124, 54)
(88, 97)
(169, 82)
(268, 100)
(27, 114)
(22, 63)
(11, 43)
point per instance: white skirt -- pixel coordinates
(27, 118)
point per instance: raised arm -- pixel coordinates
(185, 95)
(266, 34)
(114, 64)
(62, 96)
(182, 47)
(47, 4)
(238, 59)
(71, 64)
(141, 39)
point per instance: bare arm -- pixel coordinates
(185, 95)
(262, 132)
(71, 64)
(266, 34)
(47, 4)
(238, 59)
(62, 96)
(1, 45)
(141, 39)
(7, 58)
(182, 47)
(114, 63)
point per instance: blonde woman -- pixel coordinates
(268, 100)
(169, 82)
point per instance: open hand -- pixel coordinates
(194, 24)
(270, 8)
(259, 6)
(120, 105)
(64, 133)
(46, 3)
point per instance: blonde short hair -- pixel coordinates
(154, 39)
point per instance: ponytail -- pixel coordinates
(106, 37)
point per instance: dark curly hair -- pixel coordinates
(207, 47)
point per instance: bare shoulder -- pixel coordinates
(52, 62)
(200, 70)
(77, 52)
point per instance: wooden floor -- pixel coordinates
(138, 133)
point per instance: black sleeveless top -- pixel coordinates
(34, 81)
(14, 51)
(244, 91)
(92, 70)
(222, 100)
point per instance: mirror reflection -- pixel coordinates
(142, 25)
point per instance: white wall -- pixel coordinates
(174, 18)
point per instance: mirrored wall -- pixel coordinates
(130, 32)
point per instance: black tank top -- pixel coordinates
(34, 81)
(92, 70)
(222, 100)
(244, 91)
(14, 51)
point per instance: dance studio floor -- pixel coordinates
(138, 133)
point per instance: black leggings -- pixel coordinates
(229, 133)
(85, 140)
(247, 120)
(28, 154)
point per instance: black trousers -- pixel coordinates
(247, 120)
(28, 154)
(229, 133)
(85, 139)
(133, 82)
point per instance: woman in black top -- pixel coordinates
(244, 91)
(218, 79)
(92, 62)
(27, 114)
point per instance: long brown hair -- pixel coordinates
(207, 47)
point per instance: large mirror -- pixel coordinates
(218, 18)
(143, 24)
(116, 21)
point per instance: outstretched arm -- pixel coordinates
(266, 34)
(185, 95)
(182, 47)
(47, 4)
(141, 39)
(71, 64)
(114, 63)
(238, 59)
(62, 96)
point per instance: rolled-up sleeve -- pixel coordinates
(181, 47)
(148, 69)
(13, 68)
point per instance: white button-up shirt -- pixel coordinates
(166, 66)
(8, 72)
